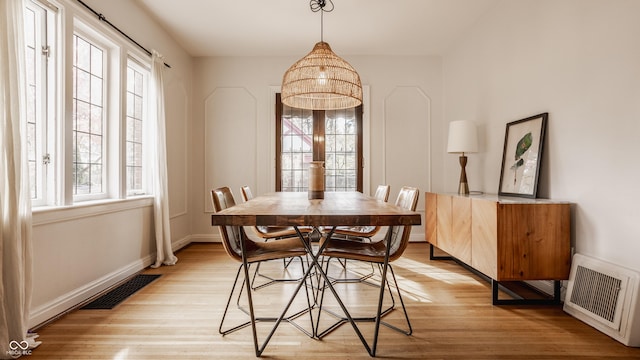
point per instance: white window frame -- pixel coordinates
(144, 68)
(55, 180)
(111, 103)
(47, 26)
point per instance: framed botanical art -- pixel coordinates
(522, 155)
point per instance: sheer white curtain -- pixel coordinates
(159, 164)
(15, 194)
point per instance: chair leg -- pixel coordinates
(247, 282)
(404, 309)
(224, 315)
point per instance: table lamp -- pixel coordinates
(463, 138)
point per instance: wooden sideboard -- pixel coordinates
(504, 238)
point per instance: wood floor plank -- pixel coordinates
(177, 317)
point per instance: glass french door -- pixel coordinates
(332, 136)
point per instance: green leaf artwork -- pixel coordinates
(523, 145)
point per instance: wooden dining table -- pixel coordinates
(295, 209)
(350, 208)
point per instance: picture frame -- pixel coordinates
(522, 156)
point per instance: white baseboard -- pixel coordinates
(73, 299)
(206, 238)
(177, 245)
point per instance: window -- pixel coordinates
(88, 113)
(332, 136)
(137, 78)
(84, 134)
(37, 77)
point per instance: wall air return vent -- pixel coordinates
(605, 296)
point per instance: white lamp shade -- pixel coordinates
(463, 137)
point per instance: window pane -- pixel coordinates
(341, 150)
(130, 80)
(138, 81)
(137, 109)
(96, 149)
(297, 141)
(340, 126)
(340, 146)
(330, 161)
(96, 120)
(83, 116)
(88, 124)
(130, 153)
(135, 115)
(81, 176)
(351, 126)
(286, 161)
(96, 178)
(137, 135)
(129, 104)
(330, 142)
(83, 86)
(96, 61)
(35, 116)
(83, 147)
(96, 90)
(82, 54)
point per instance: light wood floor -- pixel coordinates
(177, 317)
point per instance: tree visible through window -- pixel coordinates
(332, 136)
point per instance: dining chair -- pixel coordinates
(247, 251)
(271, 232)
(364, 232)
(381, 252)
(360, 233)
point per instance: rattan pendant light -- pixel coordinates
(321, 80)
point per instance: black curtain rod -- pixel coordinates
(101, 17)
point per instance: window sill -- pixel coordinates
(50, 214)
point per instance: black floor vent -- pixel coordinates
(119, 294)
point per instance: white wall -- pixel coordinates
(234, 120)
(80, 251)
(579, 60)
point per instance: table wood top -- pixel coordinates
(295, 209)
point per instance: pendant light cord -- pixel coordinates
(319, 5)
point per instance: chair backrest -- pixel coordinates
(246, 193)
(231, 235)
(407, 199)
(246, 196)
(382, 192)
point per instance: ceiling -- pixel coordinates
(290, 28)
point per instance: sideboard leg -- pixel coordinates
(433, 257)
(519, 300)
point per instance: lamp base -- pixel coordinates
(463, 188)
